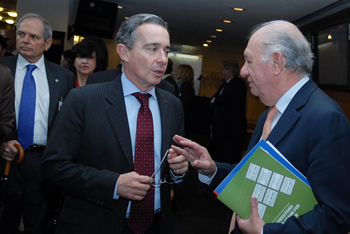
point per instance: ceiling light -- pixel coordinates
(126, 17)
(330, 37)
(10, 21)
(219, 30)
(205, 45)
(227, 21)
(209, 41)
(238, 9)
(1, 9)
(0, 17)
(120, 7)
(12, 14)
(213, 36)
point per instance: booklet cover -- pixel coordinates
(264, 173)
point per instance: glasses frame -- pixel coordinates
(164, 180)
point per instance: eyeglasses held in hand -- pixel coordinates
(167, 179)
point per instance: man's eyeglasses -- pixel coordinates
(167, 179)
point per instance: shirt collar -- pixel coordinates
(129, 88)
(22, 63)
(284, 101)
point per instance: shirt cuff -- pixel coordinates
(206, 179)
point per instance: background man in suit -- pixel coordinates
(229, 124)
(92, 150)
(34, 36)
(310, 130)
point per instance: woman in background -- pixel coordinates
(185, 76)
(87, 59)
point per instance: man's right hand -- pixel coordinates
(196, 154)
(8, 151)
(133, 186)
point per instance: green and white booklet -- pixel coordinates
(264, 173)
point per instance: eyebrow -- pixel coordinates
(156, 44)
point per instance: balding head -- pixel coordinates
(285, 37)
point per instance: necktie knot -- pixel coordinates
(30, 68)
(143, 98)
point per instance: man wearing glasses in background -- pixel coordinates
(94, 150)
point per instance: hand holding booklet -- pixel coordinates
(264, 173)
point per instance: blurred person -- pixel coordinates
(99, 127)
(66, 60)
(40, 87)
(84, 61)
(229, 124)
(309, 129)
(168, 77)
(7, 107)
(2, 46)
(10, 37)
(101, 51)
(185, 76)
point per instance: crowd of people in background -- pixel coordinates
(83, 143)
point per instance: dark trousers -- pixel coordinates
(29, 196)
(154, 229)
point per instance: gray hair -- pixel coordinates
(47, 32)
(126, 34)
(295, 48)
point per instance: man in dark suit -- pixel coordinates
(310, 130)
(168, 77)
(91, 152)
(109, 75)
(229, 124)
(52, 82)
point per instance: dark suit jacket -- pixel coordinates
(173, 82)
(60, 82)
(314, 135)
(229, 109)
(90, 147)
(7, 106)
(109, 75)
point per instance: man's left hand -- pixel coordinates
(254, 224)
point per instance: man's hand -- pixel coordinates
(254, 224)
(8, 151)
(177, 163)
(133, 186)
(196, 154)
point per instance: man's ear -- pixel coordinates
(278, 63)
(48, 43)
(123, 52)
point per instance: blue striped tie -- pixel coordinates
(27, 110)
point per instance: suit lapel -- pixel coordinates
(287, 120)
(54, 81)
(291, 114)
(117, 116)
(165, 115)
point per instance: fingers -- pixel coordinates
(8, 150)
(254, 207)
(133, 186)
(179, 164)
